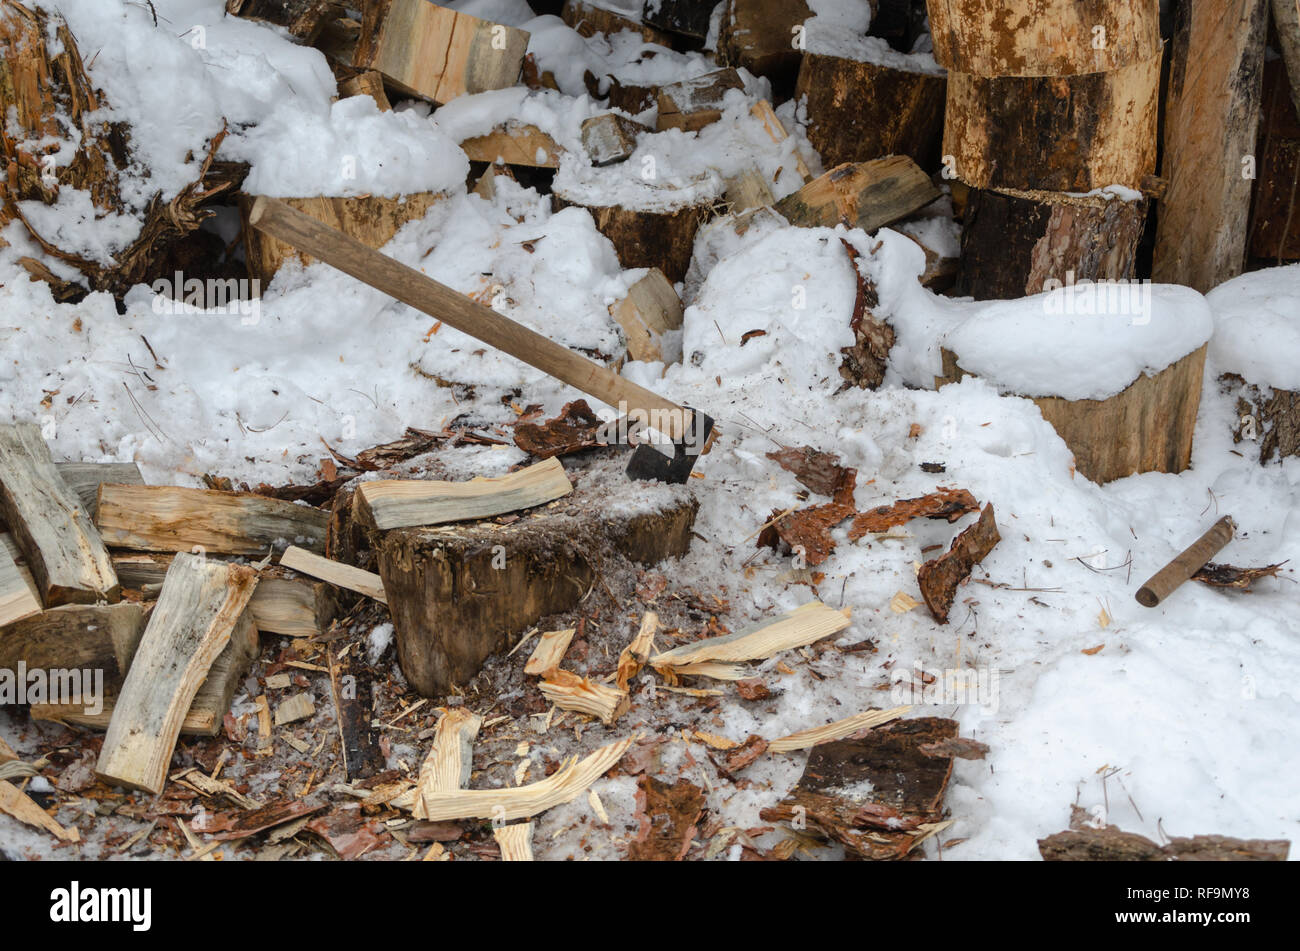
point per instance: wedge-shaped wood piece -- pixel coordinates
(14, 802)
(437, 53)
(635, 655)
(804, 739)
(568, 691)
(447, 766)
(405, 503)
(516, 841)
(366, 83)
(172, 518)
(548, 653)
(513, 144)
(85, 478)
(201, 605)
(211, 703)
(335, 572)
(18, 595)
(804, 625)
(649, 311)
(748, 189)
(53, 529)
(866, 195)
(692, 104)
(523, 802)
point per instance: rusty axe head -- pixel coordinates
(647, 462)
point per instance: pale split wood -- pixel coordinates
(178, 519)
(449, 761)
(15, 803)
(294, 708)
(763, 112)
(516, 841)
(568, 691)
(806, 624)
(548, 653)
(335, 572)
(512, 144)
(635, 655)
(523, 802)
(650, 310)
(838, 730)
(404, 503)
(18, 595)
(53, 529)
(866, 195)
(85, 478)
(707, 668)
(200, 605)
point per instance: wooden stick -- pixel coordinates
(1165, 581)
(202, 602)
(335, 572)
(437, 300)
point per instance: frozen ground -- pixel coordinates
(1182, 722)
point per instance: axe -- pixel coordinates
(689, 429)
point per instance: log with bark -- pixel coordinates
(437, 53)
(1014, 243)
(661, 237)
(588, 19)
(866, 195)
(1275, 204)
(1065, 134)
(859, 111)
(692, 104)
(460, 593)
(1212, 108)
(50, 525)
(202, 608)
(1043, 37)
(763, 37)
(304, 19)
(1146, 427)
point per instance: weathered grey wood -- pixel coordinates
(211, 703)
(85, 478)
(285, 602)
(202, 603)
(18, 595)
(404, 503)
(610, 138)
(172, 518)
(80, 636)
(335, 572)
(52, 527)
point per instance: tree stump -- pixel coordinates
(859, 111)
(649, 237)
(1043, 37)
(1013, 243)
(459, 593)
(1268, 417)
(1146, 427)
(1067, 134)
(371, 219)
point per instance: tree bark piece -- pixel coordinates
(335, 572)
(1211, 116)
(549, 652)
(524, 802)
(405, 503)
(64, 553)
(1275, 205)
(1043, 37)
(669, 817)
(610, 138)
(172, 518)
(650, 310)
(202, 605)
(1069, 134)
(437, 53)
(513, 144)
(1267, 416)
(1146, 427)
(352, 689)
(860, 111)
(1014, 243)
(866, 195)
(939, 577)
(1190, 560)
(805, 625)
(947, 504)
(1114, 845)
(458, 594)
(692, 104)
(371, 219)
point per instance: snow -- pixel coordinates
(1257, 327)
(1182, 722)
(838, 28)
(1082, 341)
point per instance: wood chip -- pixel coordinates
(549, 652)
(803, 626)
(804, 739)
(516, 841)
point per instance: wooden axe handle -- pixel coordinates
(408, 285)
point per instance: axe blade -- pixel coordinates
(649, 463)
